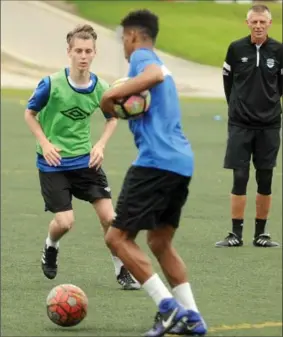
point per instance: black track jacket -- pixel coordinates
(253, 83)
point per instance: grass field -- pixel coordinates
(239, 291)
(198, 31)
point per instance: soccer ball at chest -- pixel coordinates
(133, 106)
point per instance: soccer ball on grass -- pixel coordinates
(66, 305)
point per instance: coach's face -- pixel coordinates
(259, 24)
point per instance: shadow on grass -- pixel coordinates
(96, 331)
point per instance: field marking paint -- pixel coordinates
(243, 326)
(246, 326)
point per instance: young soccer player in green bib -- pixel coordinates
(58, 114)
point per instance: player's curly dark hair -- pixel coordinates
(84, 32)
(144, 20)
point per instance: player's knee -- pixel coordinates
(106, 222)
(116, 239)
(158, 246)
(113, 240)
(65, 221)
(109, 240)
(264, 181)
(240, 181)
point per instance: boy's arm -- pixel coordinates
(111, 122)
(34, 126)
(109, 128)
(96, 155)
(36, 103)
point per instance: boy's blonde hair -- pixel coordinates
(84, 32)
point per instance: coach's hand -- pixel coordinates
(51, 154)
(96, 156)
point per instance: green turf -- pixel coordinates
(21, 94)
(198, 31)
(232, 287)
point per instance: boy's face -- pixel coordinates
(129, 38)
(81, 53)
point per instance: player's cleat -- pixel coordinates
(126, 280)
(232, 240)
(49, 262)
(170, 313)
(264, 240)
(195, 326)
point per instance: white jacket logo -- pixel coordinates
(270, 63)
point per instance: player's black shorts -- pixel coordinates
(242, 144)
(57, 188)
(150, 198)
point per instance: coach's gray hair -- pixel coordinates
(259, 9)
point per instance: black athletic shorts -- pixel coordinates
(150, 198)
(242, 144)
(57, 188)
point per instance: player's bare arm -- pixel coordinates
(96, 155)
(50, 152)
(151, 76)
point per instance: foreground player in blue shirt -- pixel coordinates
(156, 186)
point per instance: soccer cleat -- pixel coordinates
(49, 262)
(195, 326)
(127, 281)
(264, 240)
(170, 313)
(232, 240)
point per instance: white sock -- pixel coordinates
(118, 264)
(50, 243)
(184, 295)
(156, 289)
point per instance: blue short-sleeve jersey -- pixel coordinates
(158, 134)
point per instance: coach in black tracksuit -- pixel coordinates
(253, 83)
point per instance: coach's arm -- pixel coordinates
(280, 77)
(228, 73)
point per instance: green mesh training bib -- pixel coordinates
(65, 119)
